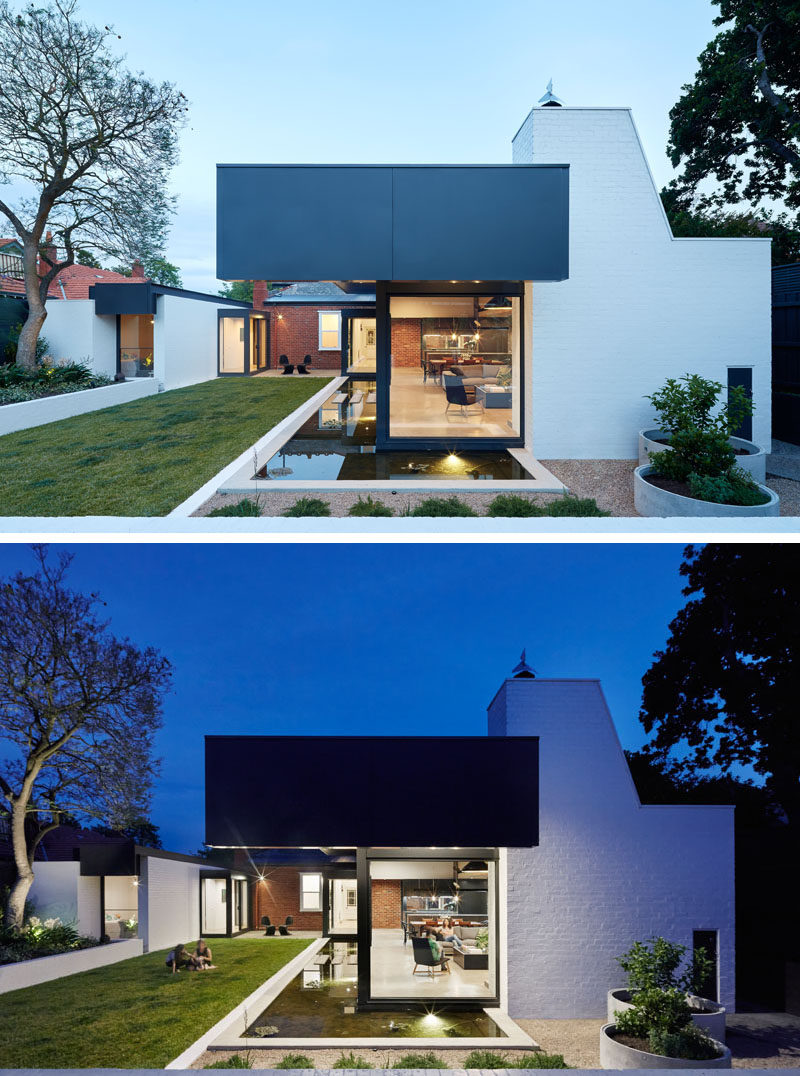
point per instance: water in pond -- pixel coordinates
(320, 1002)
(337, 443)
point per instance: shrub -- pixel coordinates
(350, 1061)
(10, 350)
(235, 1062)
(308, 506)
(442, 506)
(655, 964)
(688, 403)
(295, 1061)
(539, 1060)
(736, 487)
(245, 507)
(369, 508)
(706, 452)
(512, 505)
(689, 1043)
(46, 379)
(485, 1059)
(419, 1061)
(574, 506)
(655, 1009)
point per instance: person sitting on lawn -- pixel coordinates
(178, 958)
(202, 955)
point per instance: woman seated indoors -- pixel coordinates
(446, 933)
(438, 952)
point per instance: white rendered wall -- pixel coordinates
(46, 968)
(169, 902)
(639, 306)
(59, 891)
(607, 871)
(185, 340)
(73, 331)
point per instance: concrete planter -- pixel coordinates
(713, 1022)
(44, 969)
(652, 501)
(614, 1055)
(755, 461)
(29, 413)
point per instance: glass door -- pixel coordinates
(258, 344)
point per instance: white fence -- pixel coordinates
(22, 416)
(46, 968)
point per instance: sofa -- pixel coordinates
(473, 374)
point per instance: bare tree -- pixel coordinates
(79, 709)
(86, 144)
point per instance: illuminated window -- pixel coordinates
(310, 892)
(330, 330)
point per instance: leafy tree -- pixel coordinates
(157, 269)
(79, 709)
(85, 257)
(238, 289)
(140, 830)
(723, 692)
(689, 219)
(89, 143)
(739, 120)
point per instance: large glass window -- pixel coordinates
(213, 905)
(361, 345)
(456, 366)
(310, 892)
(136, 345)
(231, 345)
(434, 929)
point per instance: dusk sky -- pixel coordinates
(380, 639)
(402, 81)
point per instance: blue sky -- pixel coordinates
(405, 81)
(370, 639)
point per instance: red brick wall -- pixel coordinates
(406, 342)
(278, 896)
(294, 331)
(386, 902)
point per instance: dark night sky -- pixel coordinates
(400, 639)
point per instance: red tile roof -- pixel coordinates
(71, 283)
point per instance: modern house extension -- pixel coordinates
(525, 306)
(527, 850)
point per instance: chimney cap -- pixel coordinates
(549, 100)
(523, 670)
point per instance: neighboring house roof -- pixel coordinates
(318, 291)
(71, 283)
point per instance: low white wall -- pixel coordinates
(22, 416)
(47, 968)
(73, 331)
(185, 340)
(169, 902)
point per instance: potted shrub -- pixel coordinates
(657, 1032)
(697, 473)
(689, 402)
(661, 965)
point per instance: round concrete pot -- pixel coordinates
(755, 460)
(712, 1021)
(652, 501)
(614, 1055)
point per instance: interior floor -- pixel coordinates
(393, 973)
(419, 409)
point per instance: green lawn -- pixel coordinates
(134, 1014)
(141, 458)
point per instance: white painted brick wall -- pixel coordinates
(639, 306)
(169, 902)
(607, 871)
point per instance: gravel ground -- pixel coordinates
(609, 482)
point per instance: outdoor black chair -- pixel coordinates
(269, 929)
(304, 365)
(457, 393)
(284, 930)
(288, 367)
(424, 958)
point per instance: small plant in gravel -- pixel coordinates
(736, 487)
(244, 507)
(235, 1062)
(442, 506)
(308, 506)
(511, 504)
(575, 506)
(369, 508)
(539, 1060)
(295, 1061)
(485, 1059)
(420, 1061)
(350, 1061)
